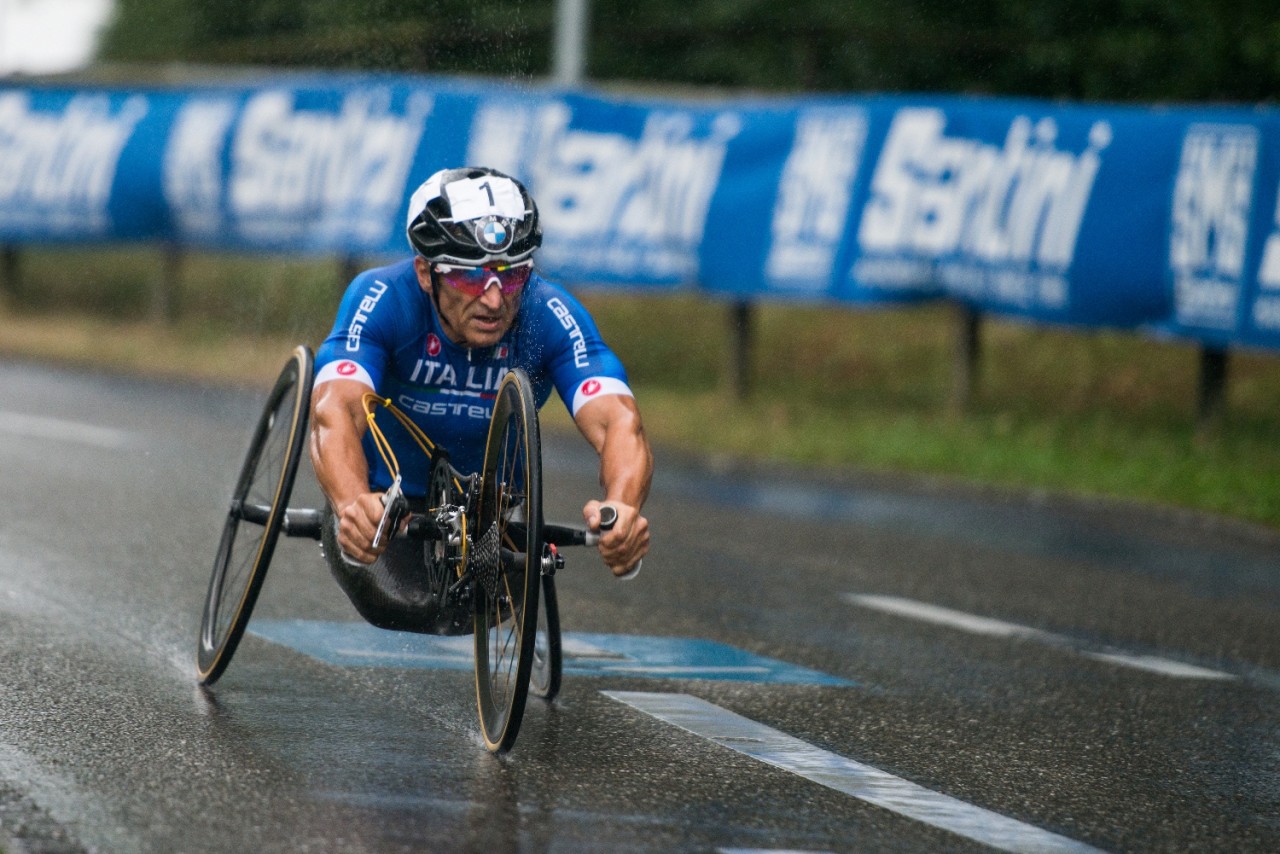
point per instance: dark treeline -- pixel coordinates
(1112, 50)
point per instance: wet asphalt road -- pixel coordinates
(1126, 699)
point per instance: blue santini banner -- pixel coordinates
(1165, 219)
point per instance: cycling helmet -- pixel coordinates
(473, 216)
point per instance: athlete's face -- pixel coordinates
(472, 321)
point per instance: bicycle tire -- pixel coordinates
(255, 516)
(506, 606)
(548, 658)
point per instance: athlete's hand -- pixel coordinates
(357, 523)
(623, 545)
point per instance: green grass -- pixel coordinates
(1074, 411)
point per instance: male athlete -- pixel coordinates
(436, 333)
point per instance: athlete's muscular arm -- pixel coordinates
(337, 425)
(612, 425)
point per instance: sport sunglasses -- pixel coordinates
(474, 281)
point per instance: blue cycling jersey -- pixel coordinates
(388, 335)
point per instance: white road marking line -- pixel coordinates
(864, 782)
(973, 624)
(43, 427)
(674, 669)
(945, 617)
(440, 655)
(1163, 666)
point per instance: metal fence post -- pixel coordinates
(572, 31)
(348, 268)
(10, 271)
(965, 352)
(1211, 393)
(741, 339)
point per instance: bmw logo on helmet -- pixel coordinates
(494, 233)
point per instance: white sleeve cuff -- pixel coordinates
(593, 387)
(344, 369)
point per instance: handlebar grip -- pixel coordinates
(632, 572)
(608, 518)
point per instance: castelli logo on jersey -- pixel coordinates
(433, 345)
(502, 352)
(590, 387)
(346, 369)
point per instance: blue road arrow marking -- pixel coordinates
(363, 645)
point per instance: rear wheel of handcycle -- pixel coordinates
(255, 516)
(507, 558)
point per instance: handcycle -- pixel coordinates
(488, 551)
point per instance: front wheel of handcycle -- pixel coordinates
(255, 516)
(544, 679)
(507, 561)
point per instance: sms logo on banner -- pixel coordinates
(813, 198)
(1212, 199)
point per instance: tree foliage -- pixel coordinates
(1117, 50)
